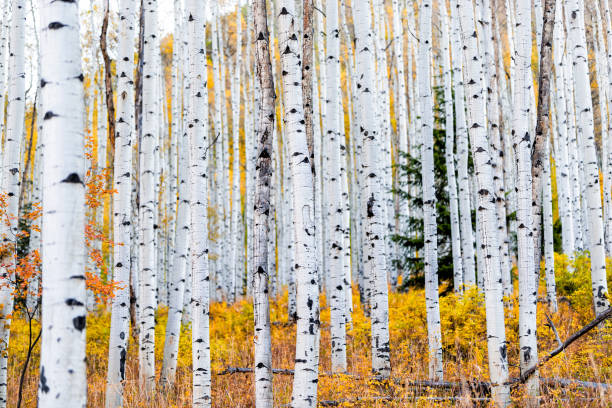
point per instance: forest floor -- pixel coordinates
(464, 341)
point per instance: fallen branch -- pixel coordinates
(246, 370)
(599, 319)
(564, 382)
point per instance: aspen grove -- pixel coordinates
(303, 203)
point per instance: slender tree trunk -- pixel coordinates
(264, 128)
(63, 380)
(486, 211)
(122, 219)
(11, 180)
(372, 196)
(465, 213)
(584, 108)
(197, 129)
(430, 236)
(561, 153)
(176, 285)
(148, 281)
(542, 129)
(333, 191)
(450, 153)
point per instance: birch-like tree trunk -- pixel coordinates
(465, 213)
(63, 381)
(197, 129)
(236, 235)
(122, 217)
(584, 109)
(147, 279)
(496, 337)
(11, 180)
(450, 152)
(307, 295)
(176, 284)
(372, 198)
(430, 235)
(522, 145)
(561, 138)
(264, 128)
(333, 191)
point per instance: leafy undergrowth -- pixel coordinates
(463, 333)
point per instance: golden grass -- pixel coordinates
(465, 357)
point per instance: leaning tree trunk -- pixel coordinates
(264, 130)
(147, 279)
(11, 181)
(584, 116)
(430, 236)
(486, 211)
(197, 129)
(63, 377)
(522, 145)
(372, 196)
(122, 218)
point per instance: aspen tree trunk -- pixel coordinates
(602, 81)
(497, 153)
(496, 338)
(4, 34)
(198, 138)
(122, 218)
(236, 235)
(333, 191)
(450, 155)
(465, 213)
(307, 295)
(372, 197)
(561, 138)
(584, 108)
(608, 158)
(549, 250)
(11, 179)
(148, 281)
(176, 286)
(432, 303)
(542, 129)
(63, 381)
(264, 128)
(525, 218)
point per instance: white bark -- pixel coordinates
(465, 214)
(63, 379)
(549, 250)
(176, 278)
(430, 236)
(561, 139)
(496, 338)
(450, 152)
(264, 128)
(584, 109)
(198, 138)
(147, 279)
(333, 192)
(307, 299)
(122, 217)
(372, 196)
(11, 179)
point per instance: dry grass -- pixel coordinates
(463, 328)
